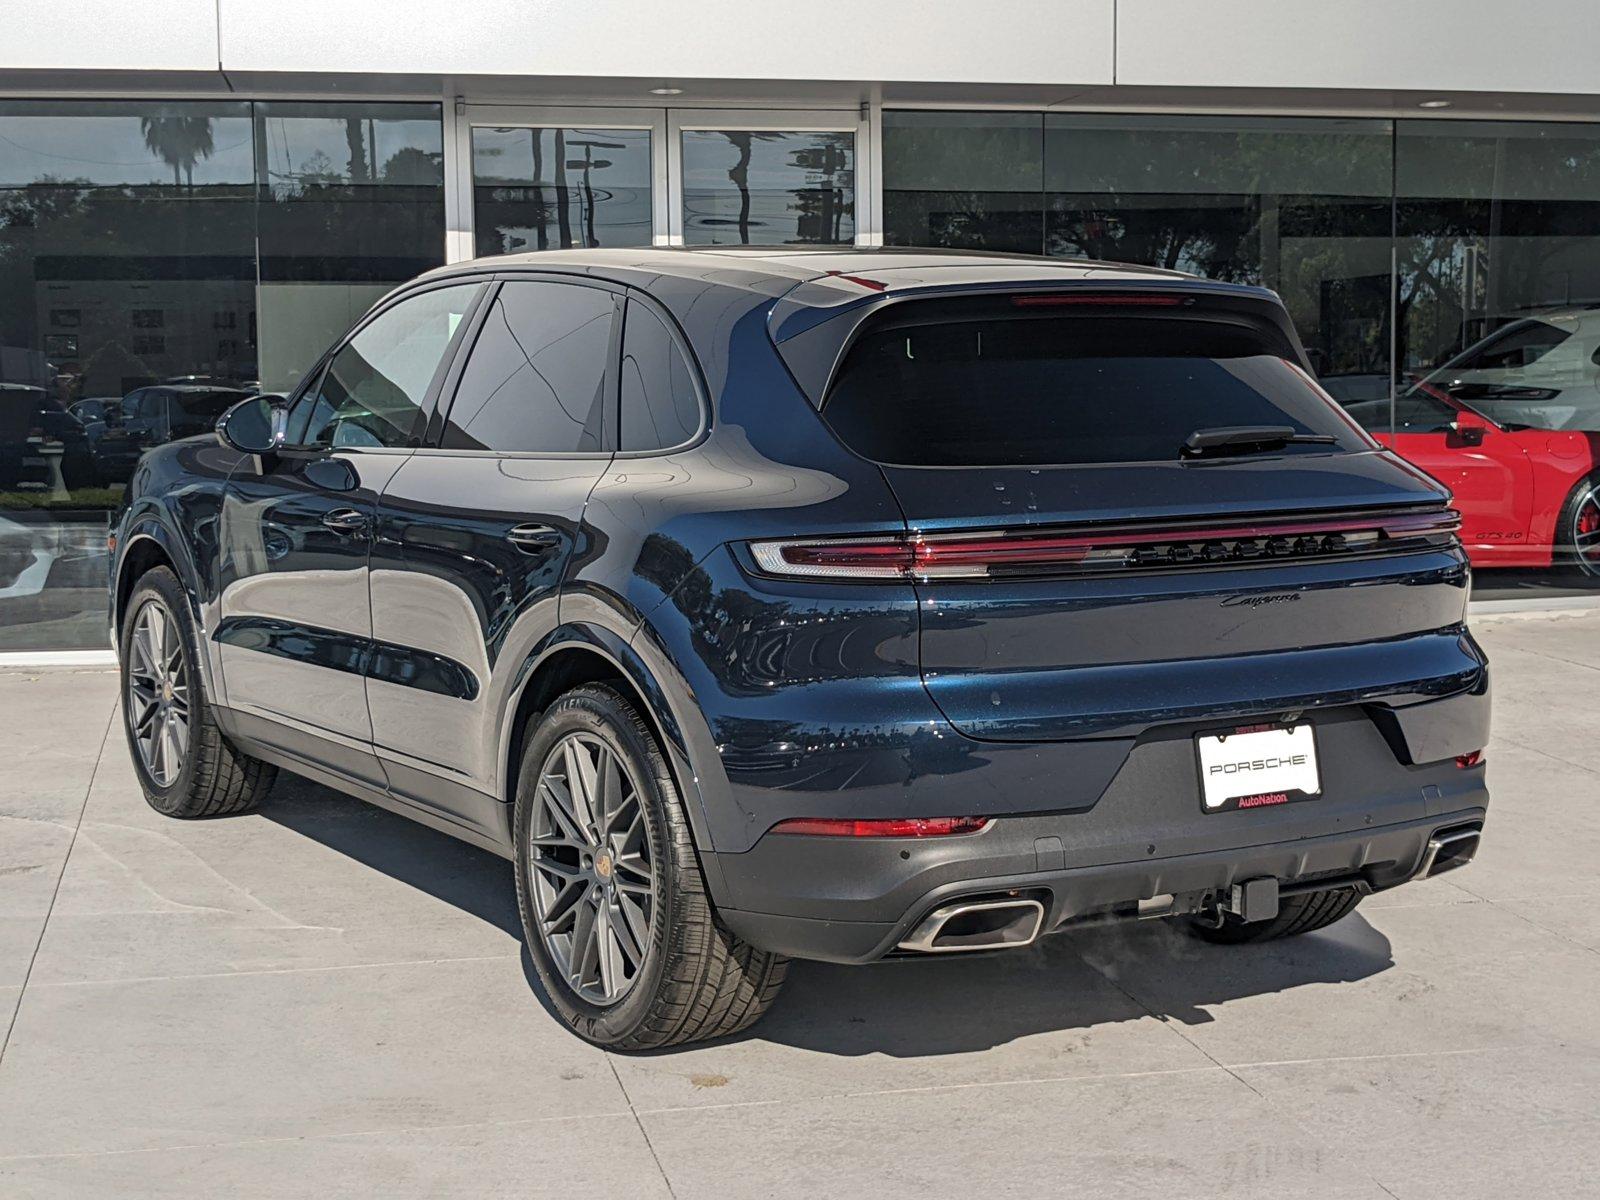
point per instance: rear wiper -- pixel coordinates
(1248, 439)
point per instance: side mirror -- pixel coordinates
(1469, 428)
(255, 427)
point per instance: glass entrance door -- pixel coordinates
(764, 178)
(552, 179)
(558, 178)
(773, 178)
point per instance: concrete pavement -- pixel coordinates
(323, 999)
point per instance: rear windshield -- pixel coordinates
(1031, 389)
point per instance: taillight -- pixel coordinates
(899, 827)
(1469, 760)
(997, 553)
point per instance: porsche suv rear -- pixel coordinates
(1164, 635)
(831, 604)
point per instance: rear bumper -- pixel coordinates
(1378, 858)
(1387, 787)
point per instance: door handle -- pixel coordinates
(534, 539)
(345, 520)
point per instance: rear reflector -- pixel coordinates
(900, 827)
(989, 554)
(1101, 300)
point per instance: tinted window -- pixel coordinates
(660, 406)
(1517, 345)
(969, 180)
(1010, 390)
(535, 382)
(1417, 412)
(372, 392)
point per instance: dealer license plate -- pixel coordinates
(1258, 766)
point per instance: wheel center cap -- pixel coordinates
(602, 866)
(166, 689)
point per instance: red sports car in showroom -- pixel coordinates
(1512, 426)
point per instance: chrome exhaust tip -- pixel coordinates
(1449, 849)
(977, 925)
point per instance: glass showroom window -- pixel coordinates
(1298, 205)
(134, 307)
(1497, 227)
(764, 187)
(553, 188)
(973, 180)
(127, 259)
(1498, 333)
(351, 203)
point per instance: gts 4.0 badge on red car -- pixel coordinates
(1257, 766)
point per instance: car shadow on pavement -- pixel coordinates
(913, 1007)
(475, 881)
(1068, 981)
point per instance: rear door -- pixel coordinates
(475, 532)
(1080, 575)
(295, 622)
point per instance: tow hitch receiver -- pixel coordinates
(1253, 900)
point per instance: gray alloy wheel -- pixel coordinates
(594, 887)
(158, 692)
(1583, 516)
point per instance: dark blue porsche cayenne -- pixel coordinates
(835, 605)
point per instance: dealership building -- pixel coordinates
(197, 196)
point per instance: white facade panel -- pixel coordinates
(1414, 46)
(1065, 42)
(151, 35)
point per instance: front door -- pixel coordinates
(294, 618)
(475, 532)
(1491, 478)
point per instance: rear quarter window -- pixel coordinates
(939, 386)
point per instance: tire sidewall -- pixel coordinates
(160, 586)
(1566, 540)
(600, 712)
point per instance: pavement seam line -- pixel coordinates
(1585, 767)
(1348, 1058)
(875, 1093)
(643, 1132)
(1571, 662)
(308, 1137)
(400, 962)
(1545, 929)
(44, 925)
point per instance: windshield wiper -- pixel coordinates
(1248, 439)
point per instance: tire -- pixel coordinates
(686, 978)
(209, 776)
(1296, 915)
(1580, 517)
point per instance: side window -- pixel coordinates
(660, 407)
(536, 379)
(1417, 412)
(153, 404)
(372, 392)
(131, 402)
